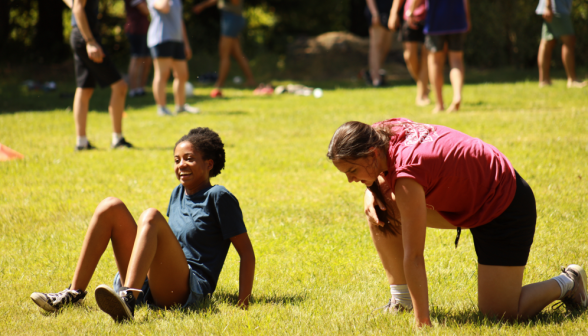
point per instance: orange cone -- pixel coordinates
(9, 154)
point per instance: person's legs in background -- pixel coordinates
(456, 76)
(569, 62)
(544, 61)
(161, 70)
(380, 41)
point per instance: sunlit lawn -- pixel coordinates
(317, 271)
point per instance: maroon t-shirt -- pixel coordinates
(466, 180)
(137, 23)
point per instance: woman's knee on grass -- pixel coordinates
(150, 218)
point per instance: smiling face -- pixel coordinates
(191, 169)
(362, 170)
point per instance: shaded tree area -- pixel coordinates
(504, 32)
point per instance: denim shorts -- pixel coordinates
(196, 291)
(436, 43)
(231, 24)
(171, 49)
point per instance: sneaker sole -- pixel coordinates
(580, 270)
(112, 304)
(40, 300)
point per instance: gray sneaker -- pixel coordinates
(120, 306)
(163, 111)
(52, 302)
(394, 307)
(187, 108)
(576, 298)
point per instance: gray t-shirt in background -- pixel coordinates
(165, 27)
(561, 7)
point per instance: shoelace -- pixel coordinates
(65, 296)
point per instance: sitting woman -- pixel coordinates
(428, 176)
(166, 263)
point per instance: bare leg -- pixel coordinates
(111, 221)
(145, 66)
(377, 44)
(80, 109)
(180, 69)
(568, 59)
(544, 61)
(162, 67)
(116, 107)
(423, 81)
(500, 293)
(391, 253)
(225, 46)
(456, 76)
(417, 66)
(436, 63)
(158, 255)
(237, 53)
(134, 73)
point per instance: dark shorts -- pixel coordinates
(506, 241)
(89, 72)
(408, 34)
(138, 43)
(436, 43)
(383, 17)
(232, 24)
(171, 49)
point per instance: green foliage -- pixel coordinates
(317, 271)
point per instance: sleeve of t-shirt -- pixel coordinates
(172, 198)
(229, 214)
(414, 172)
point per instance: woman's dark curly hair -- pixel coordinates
(209, 143)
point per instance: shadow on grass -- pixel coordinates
(474, 317)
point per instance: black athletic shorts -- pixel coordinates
(384, 16)
(171, 49)
(506, 241)
(89, 72)
(408, 34)
(436, 43)
(138, 43)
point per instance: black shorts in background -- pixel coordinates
(408, 34)
(89, 72)
(436, 43)
(171, 49)
(506, 241)
(138, 44)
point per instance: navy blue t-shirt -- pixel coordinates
(91, 10)
(445, 17)
(203, 223)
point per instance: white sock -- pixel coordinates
(566, 284)
(401, 294)
(116, 138)
(82, 141)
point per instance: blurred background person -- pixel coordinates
(377, 13)
(136, 28)
(232, 23)
(446, 25)
(413, 42)
(557, 24)
(170, 49)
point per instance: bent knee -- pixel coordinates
(150, 216)
(109, 203)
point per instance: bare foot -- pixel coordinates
(437, 109)
(454, 107)
(545, 83)
(423, 101)
(576, 84)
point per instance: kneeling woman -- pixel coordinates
(166, 263)
(434, 176)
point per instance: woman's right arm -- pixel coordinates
(162, 6)
(203, 5)
(410, 198)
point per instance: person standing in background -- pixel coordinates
(377, 13)
(446, 26)
(93, 65)
(170, 49)
(136, 29)
(232, 23)
(413, 41)
(557, 24)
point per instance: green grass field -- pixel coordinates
(317, 270)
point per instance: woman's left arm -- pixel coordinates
(410, 198)
(247, 270)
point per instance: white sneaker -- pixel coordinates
(163, 111)
(187, 108)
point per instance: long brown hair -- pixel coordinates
(355, 140)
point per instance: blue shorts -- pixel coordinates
(171, 49)
(196, 293)
(138, 45)
(231, 24)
